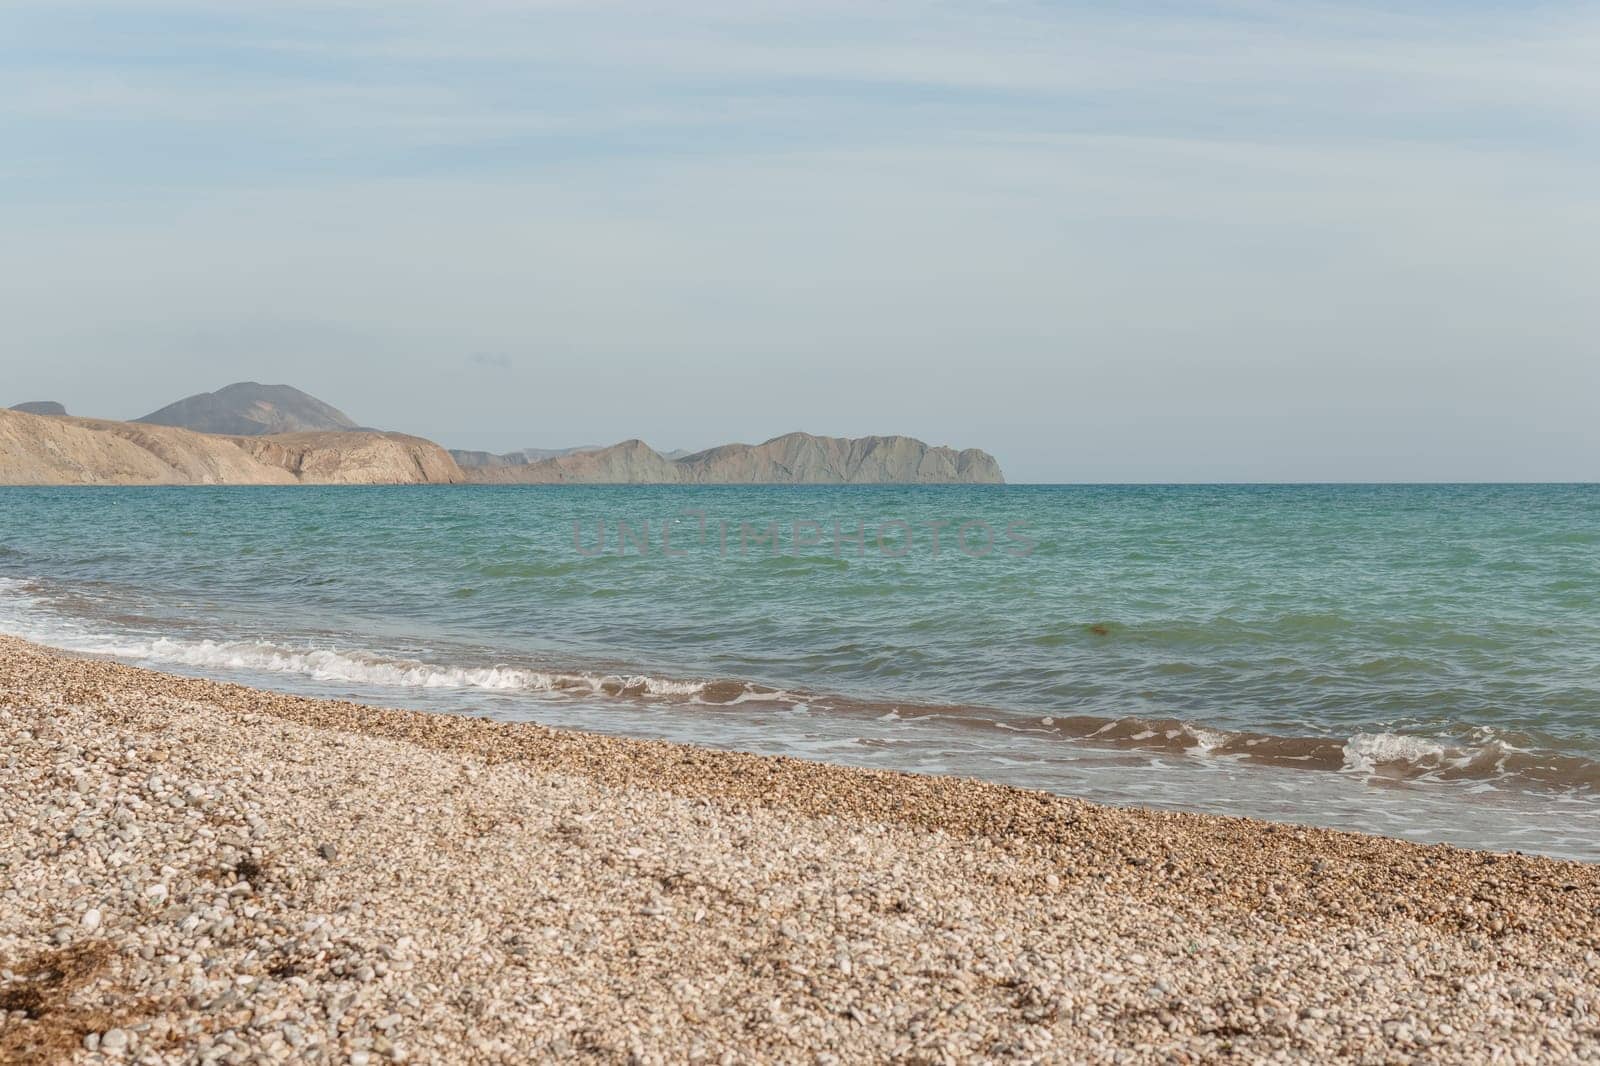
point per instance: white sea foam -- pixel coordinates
(21, 616)
(1365, 752)
(366, 668)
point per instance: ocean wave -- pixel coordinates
(1477, 753)
(1379, 756)
(372, 669)
(21, 617)
(1368, 751)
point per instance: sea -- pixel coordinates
(1420, 661)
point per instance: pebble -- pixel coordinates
(519, 891)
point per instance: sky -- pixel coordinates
(1141, 241)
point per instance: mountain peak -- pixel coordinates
(40, 407)
(251, 409)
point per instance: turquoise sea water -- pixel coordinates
(1415, 660)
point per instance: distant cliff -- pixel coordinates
(36, 450)
(805, 459)
(250, 409)
(795, 458)
(253, 434)
(631, 462)
(364, 458)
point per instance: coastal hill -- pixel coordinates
(250, 409)
(40, 407)
(803, 458)
(253, 434)
(524, 456)
(520, 457)
(792, 459)
(45, 450)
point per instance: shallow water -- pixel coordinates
(1422, 661)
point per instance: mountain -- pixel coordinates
(468, 460)
(249, 433)
(800, 458)
(364, 457)
(521, 457)
(35, 450)
(250, 409)
(795, 458)
(631, 462)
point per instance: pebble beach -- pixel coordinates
(198, 872)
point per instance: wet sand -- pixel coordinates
(200, 872)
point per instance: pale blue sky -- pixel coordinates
(1245, 241)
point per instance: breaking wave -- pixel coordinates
(354, 667)
(1503, 759)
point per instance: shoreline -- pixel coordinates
(617, 899)
(1389, 784)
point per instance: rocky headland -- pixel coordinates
(792, 459)
(254, 434)
(44, 450)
